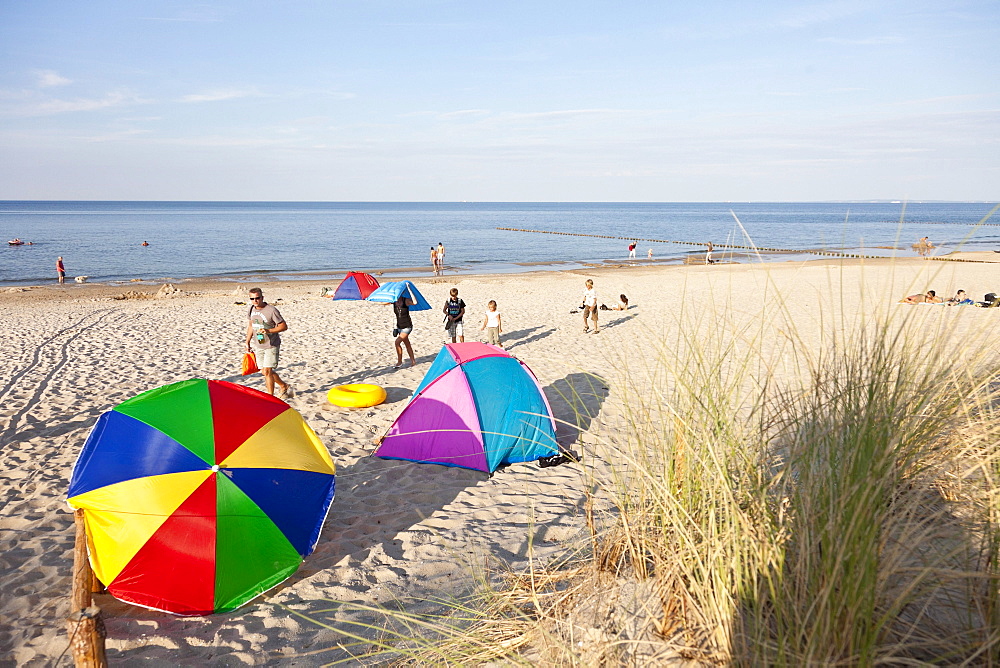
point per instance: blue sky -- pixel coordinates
(500, 101)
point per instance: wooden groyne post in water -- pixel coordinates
(84, 624)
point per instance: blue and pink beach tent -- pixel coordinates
(479, 408)
(356, 285)
(390, 292)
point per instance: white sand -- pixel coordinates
(396, 529)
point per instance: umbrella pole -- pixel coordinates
(84, 624)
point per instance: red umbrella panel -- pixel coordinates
(200, 495)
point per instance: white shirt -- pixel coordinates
(590, 297)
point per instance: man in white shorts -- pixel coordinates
(265, 323)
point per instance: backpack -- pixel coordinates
(989, 300)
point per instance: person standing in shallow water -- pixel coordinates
(61, 269)
(440, 255)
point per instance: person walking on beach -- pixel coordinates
(708, 253)
(590, 307)
(61, 269)
(492, 324)
(404, 326)
(454, 310)
(263, 326)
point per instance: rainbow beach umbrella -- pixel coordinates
(200, 495)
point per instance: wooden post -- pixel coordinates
(84, 624)
(86, 638)
(82, 573)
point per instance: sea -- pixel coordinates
(320, 240)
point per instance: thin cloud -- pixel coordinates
(463, 113)
(863, 41)
(200, 15)
(49, 78)
(562, 113)
(219, 95)
(57, 106)
(810, 15)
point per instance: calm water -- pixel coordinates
(320, 239)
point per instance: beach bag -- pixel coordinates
(249, 364)
(989, 300)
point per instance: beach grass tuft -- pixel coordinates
(773, 501)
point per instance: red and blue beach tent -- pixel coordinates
(356, 285)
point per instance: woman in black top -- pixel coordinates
(403, 328)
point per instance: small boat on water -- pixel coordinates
(15, 242)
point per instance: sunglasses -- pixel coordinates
(256, 299)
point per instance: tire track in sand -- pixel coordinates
(60, 342)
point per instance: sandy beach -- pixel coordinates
(396, 530)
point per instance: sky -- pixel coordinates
(440, 100)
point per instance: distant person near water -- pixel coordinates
(631, 250)
(145, 243)
(923, 246)
(434, 260)
(708, 253)
(649, 255)
(264, 326)
(61, 269)
(441, 255)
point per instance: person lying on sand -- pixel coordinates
(622, 305)
(930, 297)
(959, 298)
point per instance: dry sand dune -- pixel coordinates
(397, 530)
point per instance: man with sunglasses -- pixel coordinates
(262, 335)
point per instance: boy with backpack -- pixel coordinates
(454, 310)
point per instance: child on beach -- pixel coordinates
(454, 310)
(492, 324)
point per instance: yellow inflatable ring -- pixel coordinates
(358, 395)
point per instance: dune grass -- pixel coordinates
(844, 514)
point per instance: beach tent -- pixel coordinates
(478, 407)
(200, 495)
(356, 285)
(389, 292)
